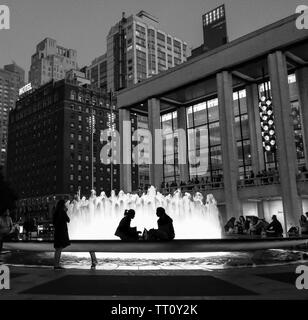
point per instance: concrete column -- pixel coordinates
(285, 137)
(228, 144)
(302, 83)
(156, 168)
(257, 157)
(126, 151)
(182, 124)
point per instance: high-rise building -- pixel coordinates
(97, 73)
(136, 50)
(214, 30)
(50, 141)
(12, 78)
(51, 62)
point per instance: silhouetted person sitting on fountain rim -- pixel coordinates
(229, 227)
(165, 229)
(61, 238)
(275, 228)
(124, 230)
(304, 225)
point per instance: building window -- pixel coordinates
(242, 133)
(297, 121)
(204, 141)
(170, 147)
(73, 95)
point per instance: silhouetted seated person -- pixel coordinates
(275, 228)
(257, 226)
(29, 226)
(165, 229)
(304, 225)
(252, 177)
(259, 177)
(124, 230)
(242, 225)
(230, 226)
(293, 232)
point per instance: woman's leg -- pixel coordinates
(93, 259)
(57, 257)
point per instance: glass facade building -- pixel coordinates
(244, 112)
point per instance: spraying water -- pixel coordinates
(98, 217)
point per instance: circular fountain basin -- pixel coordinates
(159, 261)
(188, 246)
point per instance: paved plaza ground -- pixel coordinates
(251, 283)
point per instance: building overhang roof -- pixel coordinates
(282, 35)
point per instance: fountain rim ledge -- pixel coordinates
(209, 245)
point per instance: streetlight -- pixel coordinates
(92, 131)
(111, 128)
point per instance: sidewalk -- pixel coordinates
(276, 282)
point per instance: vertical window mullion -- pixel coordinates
(209, 142)
(241, 130)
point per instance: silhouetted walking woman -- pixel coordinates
(61, 238)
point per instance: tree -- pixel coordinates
(7, 195)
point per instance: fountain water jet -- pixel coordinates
(97, 218)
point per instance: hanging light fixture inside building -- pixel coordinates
(267, 119)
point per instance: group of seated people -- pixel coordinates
(254, 226)
(271, 176)
(165, 231)
(195, 181)
(302, 173)
(262, 177)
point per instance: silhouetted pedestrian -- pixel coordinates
(61, 237)
(6, 228)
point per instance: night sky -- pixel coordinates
(84, 25)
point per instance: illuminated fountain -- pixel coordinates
(98, 217)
